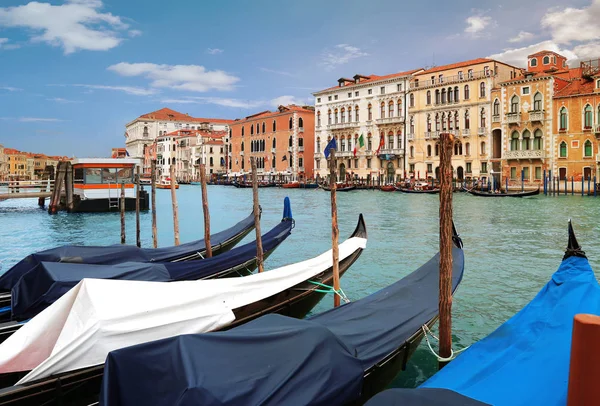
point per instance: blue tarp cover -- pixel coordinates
(273, 360)
(526, 360)
(116, 254)
(370, 328)
(422, 397)
(48, 281)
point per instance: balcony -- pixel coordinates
(496, 118)
(369, 152)
(390, 120)
(526, 154)
(241, 153)
(318, 155)
(428, 135)
(451, 79)
(290, 149)
(481, 131)
(514, 118)
(345, 154)
(466, 132)
(410, 137)
(300, 169)
(301, 129)
(273, 150)
(340, 126)
(392, 151)
(301, 148)
(536, 115)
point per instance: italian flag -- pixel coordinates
(361, 143)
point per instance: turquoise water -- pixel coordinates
(512, 246)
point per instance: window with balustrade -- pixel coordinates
(456, 92)
(412, 100)
(391, 109)
(456, 126)
(562, 150)
(482, 118)
(329, 117)
(588, 149)
(483, 148)
(496, 107)
(343, 144)
(391, 141)
(537, 102)
(443, 96)
(563, 119)
(460, 75)
(428, 122)
(349, 114)
(514, 141)
(538, 140)
(335, 116)
(437, 122)
(443, 121)
(470, 73)
(467, 93)
(343, 115)
(369, 112)
(514, 104)
(318, 121)
(526, 142)
(429, 97)
(356, 115)
(399, 136)
(588, 117)
(369, 142)
(399, 107)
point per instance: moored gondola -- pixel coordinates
(421, 191)
(79, 385)
(339, 188)
(387, 188)
(342, 356)
(504, 194)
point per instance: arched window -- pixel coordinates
(443, 121)
(335, 116)
(514, 104)
(546, 60)
(251, 146)
(242, 131)
(598, 116)
(456, 94)
(428, 122)
(437, 96)
(275, 123)
(391, 140)
(526, 143)
(458, 148)
(257, 128)
(290, 141)
(428, 150)
(391, 109)
(251, 129)
(564, 119)
(588, 117)
(291, 123)
(318, 120)
(437, 121)
(369, 142)
(242, 146)
(350, 114)
(537, 102)
(329, 117)
(538, 141)
(412, 151)
(264, 127)
(443, 96)
(429, 97)
(399, 136)
(514, 141)
(437, 149)
(482, 118)
(343, 144)
(496, 111)
(356, 113)
(211, 161)
(467, 149)
(482, 148)
(450, 95)
(399, 106)
(482, 89)
(300, 122)
(533, 62)
(467, 95)
(563, 150)
(264, 144)
(412, 100)
(412, 124)
(343, 114)
(456, 120)
(369, 112)
(301, 142)
(467, 120)
(382, 110)
(588, 148)
(275, 142)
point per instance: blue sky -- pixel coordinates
(72, 73)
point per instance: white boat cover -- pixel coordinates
(98, 316)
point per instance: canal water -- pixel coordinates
(512, 246)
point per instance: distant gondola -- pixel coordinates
(339, 188)
(387, 188)
(513, 194)
(339, 357)
(82, 386)
(421, 191)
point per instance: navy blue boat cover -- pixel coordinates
(422, 397)
(116, 254)
(48, 281)
(266, 362)
(526, 360)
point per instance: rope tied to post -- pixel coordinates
(330, 289)
(453, 353)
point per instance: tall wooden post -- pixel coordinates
(335, 233)
(58, 182)
(175, 208)
(445, 295)
(153, 180)
(259, 248)
(122, 213)
(138, 240)
(205, 210)
(69, 186)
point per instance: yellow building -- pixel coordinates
(453, 98)
(3, 163)
(17, 163)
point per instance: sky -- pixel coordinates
(74, 72)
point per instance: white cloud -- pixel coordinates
(134, 33)
(574, 24)
(285, 100)
(238, 103)
(5, 45)
(340, 55)
(75, 25)
(10, 88)
(214, 51)
(518, 56)
(277, 72)
(521, 36)
(63, 101)
(476, 24)
(38, 120)
(136, 91)
(193, 78)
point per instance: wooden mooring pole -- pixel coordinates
(58, 182)
(122, 213)
(445, 295)
(259, 248)
(153, 180)
(175, 208)
(335, 232)
(69, 186)
(205, 211)
(138, 240)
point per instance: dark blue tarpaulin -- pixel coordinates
(370, 329)
(48, 281)
(422, 397)
(116, 254)
(273, 360)
(526, 360)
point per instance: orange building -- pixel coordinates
(118, 153)
(282, 141)
(577, 124)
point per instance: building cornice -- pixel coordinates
(362, 85)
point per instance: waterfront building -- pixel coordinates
(282, 141)
(145, 129)
(118, 153)
(576, 124)
(454, 98)
(372, 107)
(3, 163)
(17, 163)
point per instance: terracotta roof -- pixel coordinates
(213, 143)
(373, 78)
(456, 65)
(576, 87)
(281, 110)
(167, 114)
(544, 52)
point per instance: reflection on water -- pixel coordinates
(512, 246)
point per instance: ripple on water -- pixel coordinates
(512, 246)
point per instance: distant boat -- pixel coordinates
(165, 183)
(308, 186)
(195, 183)
(340, 187)
(417, 190)
(511, 194)
(387, 188)
(145, 181)
(291, 185)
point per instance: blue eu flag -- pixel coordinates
(331, 144)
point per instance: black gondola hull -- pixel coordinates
(516, 194)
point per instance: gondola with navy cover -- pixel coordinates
(482, 193)
(341, 356)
